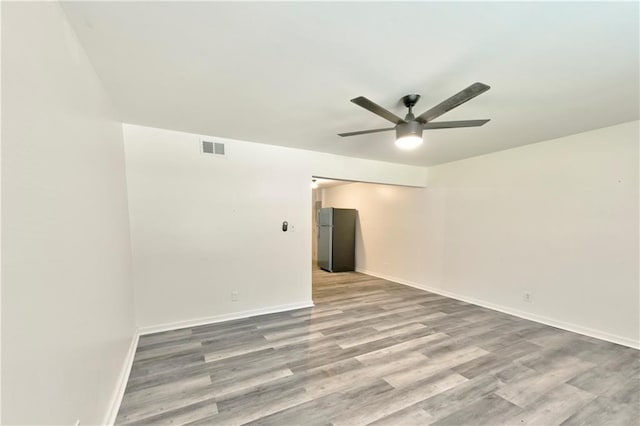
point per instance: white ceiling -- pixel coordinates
(283, 73)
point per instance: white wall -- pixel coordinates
(558, 219)
(390, 230)
(203, 227)
(67, 300)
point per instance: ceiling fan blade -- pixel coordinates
(454, 124)
(456, 100)
(377, 109)
(364, 132)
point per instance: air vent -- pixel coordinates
(213, 148)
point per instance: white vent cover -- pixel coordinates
(212, 148)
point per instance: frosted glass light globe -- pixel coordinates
(409, 142)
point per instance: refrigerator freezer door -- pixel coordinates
(343, 240)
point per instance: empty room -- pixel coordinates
(320, 213)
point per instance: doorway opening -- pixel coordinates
(334, 231)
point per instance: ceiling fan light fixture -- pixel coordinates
(409, 129)
(409, 135)
(409, 142)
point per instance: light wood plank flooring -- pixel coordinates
(376, 352)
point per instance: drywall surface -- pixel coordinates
(390, 229)
(556, 219)
(67, 296)
(360, 170)
(208, 229)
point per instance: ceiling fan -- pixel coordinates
(409, 129)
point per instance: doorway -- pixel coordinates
(320, 188)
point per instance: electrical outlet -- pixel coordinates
(526, 297)
(234, 296)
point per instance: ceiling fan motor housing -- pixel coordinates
(410, 128)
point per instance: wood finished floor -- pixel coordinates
(372, 351)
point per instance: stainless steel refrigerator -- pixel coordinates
(336, 239)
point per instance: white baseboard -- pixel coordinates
(602, 335)
(224, 317)
(121, 384)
